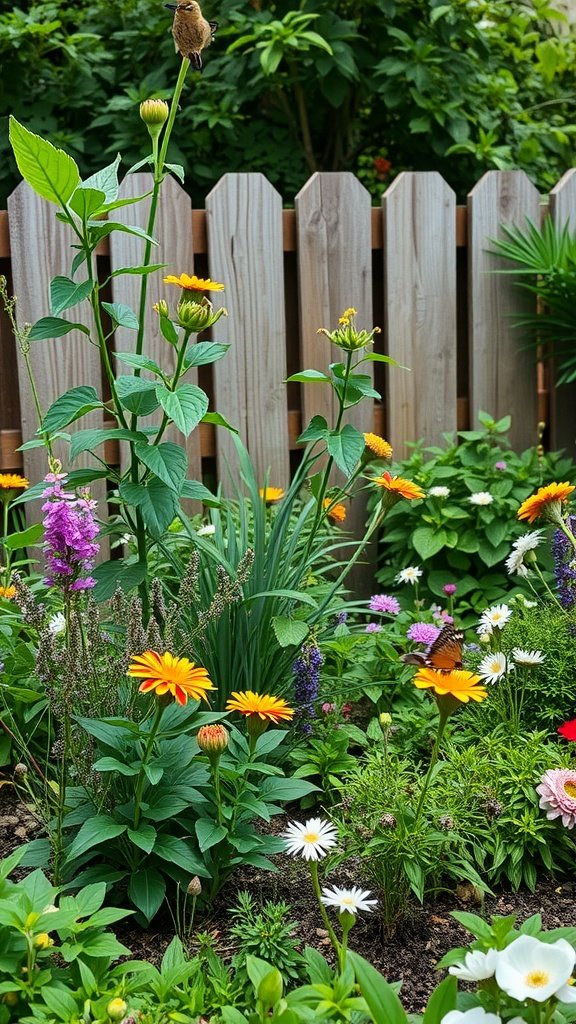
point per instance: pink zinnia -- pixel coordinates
(384, 603)
(557, 791)
(423, 633)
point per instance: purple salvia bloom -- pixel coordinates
(306, 669)
(423, 633)
(70, 530)
(565, 565)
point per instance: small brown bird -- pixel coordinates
(192, 33)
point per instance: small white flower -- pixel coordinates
(57, 624)
(481, 498)
(352, 900)
(409, 575)
(206, 531)
(530, 969)
(439, 492)
(515, 564)
(522, 657)
(528, 541)
(492, 667)
(495, 617)
(312, 840)
(477, 966)
(477, 1015)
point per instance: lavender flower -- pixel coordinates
(384, 603)
(306, 669)
(565, 565)
(423, 633)
(69, 532)
(373, 627)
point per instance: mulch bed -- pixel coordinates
(410, 955)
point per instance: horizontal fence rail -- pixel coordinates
(419, 266)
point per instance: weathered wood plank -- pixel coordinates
(420, 307)
(173, 232)
(244, 223)
(41, 250)
(502, 371)
(563, 399)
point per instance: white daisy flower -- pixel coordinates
(57, 624)
(495, 617)
(515, 563)
(522, 657)
(531, 969)
(352, 900)
(409, 575)
(312, 840)
(492, 667)
(481, 498)
(439, 492)
(206, 531)
(477, 1015)
(477, 966)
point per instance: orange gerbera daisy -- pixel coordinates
(399, 487)
(378, 445)
(259, 705)
(271, 494)
(194, 284)
(335, 512)
(166, 673)
(459, 684)
(8, 593)
(546, 502)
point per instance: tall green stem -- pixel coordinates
(142, 773)
(313, 865)
(444, 712)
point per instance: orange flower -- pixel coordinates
(378, 445)
(165, 673)
(271, 494)
(11, 481)
(399, 487)
(547, 502)
(459, 684)
(259, 705)
(194, 284)
(213, 739)
(8, 593)
(335, 512)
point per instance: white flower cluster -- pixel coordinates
(312, 840)
(516, 559)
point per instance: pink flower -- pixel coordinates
(346, 709)
(423, 633)
(448, 620)
(449, 589)
(384, 603)
(373, 627)
(557, 791)
(328, 708)
(500, 465)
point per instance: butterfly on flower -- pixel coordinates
(444, 655)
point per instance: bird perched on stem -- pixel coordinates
(192, 33)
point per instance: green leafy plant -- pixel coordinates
(268, 933)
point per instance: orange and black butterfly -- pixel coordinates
(445, 654)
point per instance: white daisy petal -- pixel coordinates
(477, 966)
(312, 840)
(352, 900)
(492, 667)
(409, 575)
(522, 657)
(495, 617)
(481, 498)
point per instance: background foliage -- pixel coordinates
(458, 86)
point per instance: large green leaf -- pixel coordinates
(185, 406)
(137, 395)
(204, 352)
(428, 541)
(167, 460)
(346, 448)
(157, 502)
(105, 181)
(284, 790)
(147, 890)
(289, 632)
(177, 851)
(209, 833)
(198, 492)
(116, 573)
(24, 538)
(139, 362)
(86, 202)
(143, 837)
(122, 315)
(65, 293)
(93, 832)
(88, 440)
(49, 171)
(54, 327)
(69, 407)
(383, 1003)
(441, 1002)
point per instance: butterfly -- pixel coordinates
(445, 654)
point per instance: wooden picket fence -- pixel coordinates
(419, 266)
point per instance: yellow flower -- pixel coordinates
(43, 941)
(271, 494)
(399, 487)
(8, 593)
(166, 673)
(335, 512)
(347, 316)
(547, 501)
(459, 684)
(259, 705)
(10, 484)
(347, 336)
(378, 445)
(117, 1008)
(194, 284)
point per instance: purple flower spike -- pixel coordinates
(70, 530)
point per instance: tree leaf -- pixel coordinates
(289, 632)
(168, 461)
(185, 406)
(49, 171)
(157, 502)
(69, 407)
(54, 327)
(123, 315)
(346, 448)
(65, 293)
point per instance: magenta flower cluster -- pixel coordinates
(423, 633)
(70, 529)
(384, 603)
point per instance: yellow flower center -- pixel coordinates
(570, 789)
(537, 979)
(311, 837)
(347, 900)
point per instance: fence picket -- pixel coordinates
(244, 224)
(502, 371)
(563, 399)
(420, 307)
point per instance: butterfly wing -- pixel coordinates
(445, 654)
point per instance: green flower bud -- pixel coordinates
(198, 316)
(385, 719)
(270, 988)
(116, 1009)
(346, 335)
(154, 113)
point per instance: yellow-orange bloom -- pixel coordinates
(335, 512)
(194, 284)
(459, 683)
(10, 484)
(546, 500)
(378, 445)
(166, 673)
(271, 494)
(397, 485)
(259, 705)
(8, 593)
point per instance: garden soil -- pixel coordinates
(409, 956)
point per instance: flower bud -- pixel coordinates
(10, 998)
(387, 821)
(270, 988)
(198, 316)
(116, 1009)
(20, 769)
(385, 719)
(194, 886)
(212, 739)
(347, 336)
(154, 113)
(43, 941)
(161, 308)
